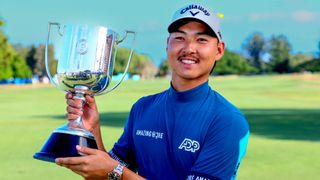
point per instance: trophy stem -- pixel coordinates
(79, 94)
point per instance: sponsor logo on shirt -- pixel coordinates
(189, 145)
(193, 177)
(151, 134)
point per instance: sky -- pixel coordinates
(299, 20)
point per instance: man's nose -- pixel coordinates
(189, 47)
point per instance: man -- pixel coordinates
(186, 132)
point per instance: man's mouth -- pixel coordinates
(187, 61)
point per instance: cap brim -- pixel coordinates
(174, 26)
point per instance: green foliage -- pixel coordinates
(233, 63)
(300, 58)
(35, 57)
(138, 62)
(164, 68)
(6, 57)
(279, 50)
(11, 65)
(20, 68)
(255, 47)
(311, 66)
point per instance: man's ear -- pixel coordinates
(167, 42)
(220, 50)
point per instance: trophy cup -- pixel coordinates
(85, 66)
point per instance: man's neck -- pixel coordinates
(184, 85)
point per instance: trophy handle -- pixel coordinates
(128, 63)
(46, 52)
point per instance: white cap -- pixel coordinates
(196, 12)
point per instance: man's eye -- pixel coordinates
(202, 40)
(179, 38)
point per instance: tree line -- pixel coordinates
(260, 55)
(17, 61)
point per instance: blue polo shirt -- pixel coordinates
(183, 135)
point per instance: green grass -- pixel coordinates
(283, 113)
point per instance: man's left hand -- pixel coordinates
(94, 165)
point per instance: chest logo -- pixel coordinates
(189, 145)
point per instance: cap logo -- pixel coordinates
(190, 7)
(193, 14)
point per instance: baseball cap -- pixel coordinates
(196, 12)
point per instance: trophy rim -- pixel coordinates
(74, 131)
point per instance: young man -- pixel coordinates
(186, 132)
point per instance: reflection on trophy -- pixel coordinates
(85, 66)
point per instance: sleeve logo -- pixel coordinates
(189, 145)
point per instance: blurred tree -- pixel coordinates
(6, 55)
(164, 68)
(138, 62)
(311, 66)
(22, 51)
(255, 47)
(297, 59)
(36, 60)
(11, 65)
(279, 49)
(319, 49)
(149, 71)
(233, 63)
(30, 58)
(20, 68)
(6, 58)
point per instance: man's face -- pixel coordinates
(192, 53)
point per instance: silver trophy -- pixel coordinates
(85, 66)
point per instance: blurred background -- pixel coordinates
(270, 70)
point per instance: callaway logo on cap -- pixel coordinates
(197, 12)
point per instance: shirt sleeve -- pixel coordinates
(123, 149)
(224, 146)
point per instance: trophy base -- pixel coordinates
(63, 144)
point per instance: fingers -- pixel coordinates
(74, 111)
(90, 99)
(76, 103)
(74, 107)
(86, 150)
(69, 95)
(70, 161)
(77, 168)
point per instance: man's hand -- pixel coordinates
(95, 165)
(88, 111)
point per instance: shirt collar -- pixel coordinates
(194, 94)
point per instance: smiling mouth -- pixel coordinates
(188, 60)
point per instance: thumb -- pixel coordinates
(86, 150)
(90, 101)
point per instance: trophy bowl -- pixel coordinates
(85, 65)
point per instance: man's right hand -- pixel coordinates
(89, 111)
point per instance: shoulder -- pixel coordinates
(146, 101)
(228, 115)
